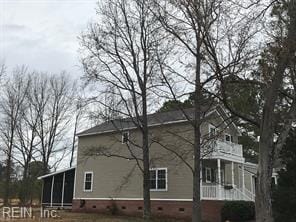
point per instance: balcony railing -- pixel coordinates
(222, 148)
(229, 148)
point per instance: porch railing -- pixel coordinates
(220, 193)
(209, 192)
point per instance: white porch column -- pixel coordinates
(243, 177)
(63, 189)
(219, 179)
(51, 194)
(275, 178)
(232, 174)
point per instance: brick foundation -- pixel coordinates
(174, 209)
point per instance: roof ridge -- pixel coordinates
(127, 123)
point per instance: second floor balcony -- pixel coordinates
(223, 150)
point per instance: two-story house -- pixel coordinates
(108, 172)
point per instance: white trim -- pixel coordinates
(252, 165)
(275, 178)
(219, 179)
(251, 179)
(156, 178)
(239, 177)
(57, 172)
(225, 157)
(232, 173)
(51, 190)
(118, 198)
(243, 178)
(92, 181)
(63, 189)
(74, 186)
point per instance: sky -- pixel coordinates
(43, 34)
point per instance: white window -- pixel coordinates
(208, 175)
(212, 131)
(228, 138)
(158, 179)
(88, 181)
(125, 137)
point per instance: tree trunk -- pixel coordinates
(263, 188)
(266, 147)
(7, 179)
(8, 168)
(45, 166)
(146, 164)
(265, 165)
(196, 205)
(24, 189)
(267, 128)
(73, 140)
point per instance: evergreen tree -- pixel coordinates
(285, 192)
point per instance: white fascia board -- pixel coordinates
(57, 172)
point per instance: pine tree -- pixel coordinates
(285, 192)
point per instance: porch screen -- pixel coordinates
(57, 189)
(69, 186)
(46, 194)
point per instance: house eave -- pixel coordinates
(56, 172)
(150, 125)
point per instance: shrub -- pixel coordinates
(284, 194)
(238, 211)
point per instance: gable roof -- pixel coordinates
(153, 120)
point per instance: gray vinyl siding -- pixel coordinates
(114, 177)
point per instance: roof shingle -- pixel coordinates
(153, 119)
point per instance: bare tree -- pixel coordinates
(12, 104)
(79, 108)
(120, 55)
(187, 22)
(26, 143)
(2, 70)
(275, 74)
(51, 99)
